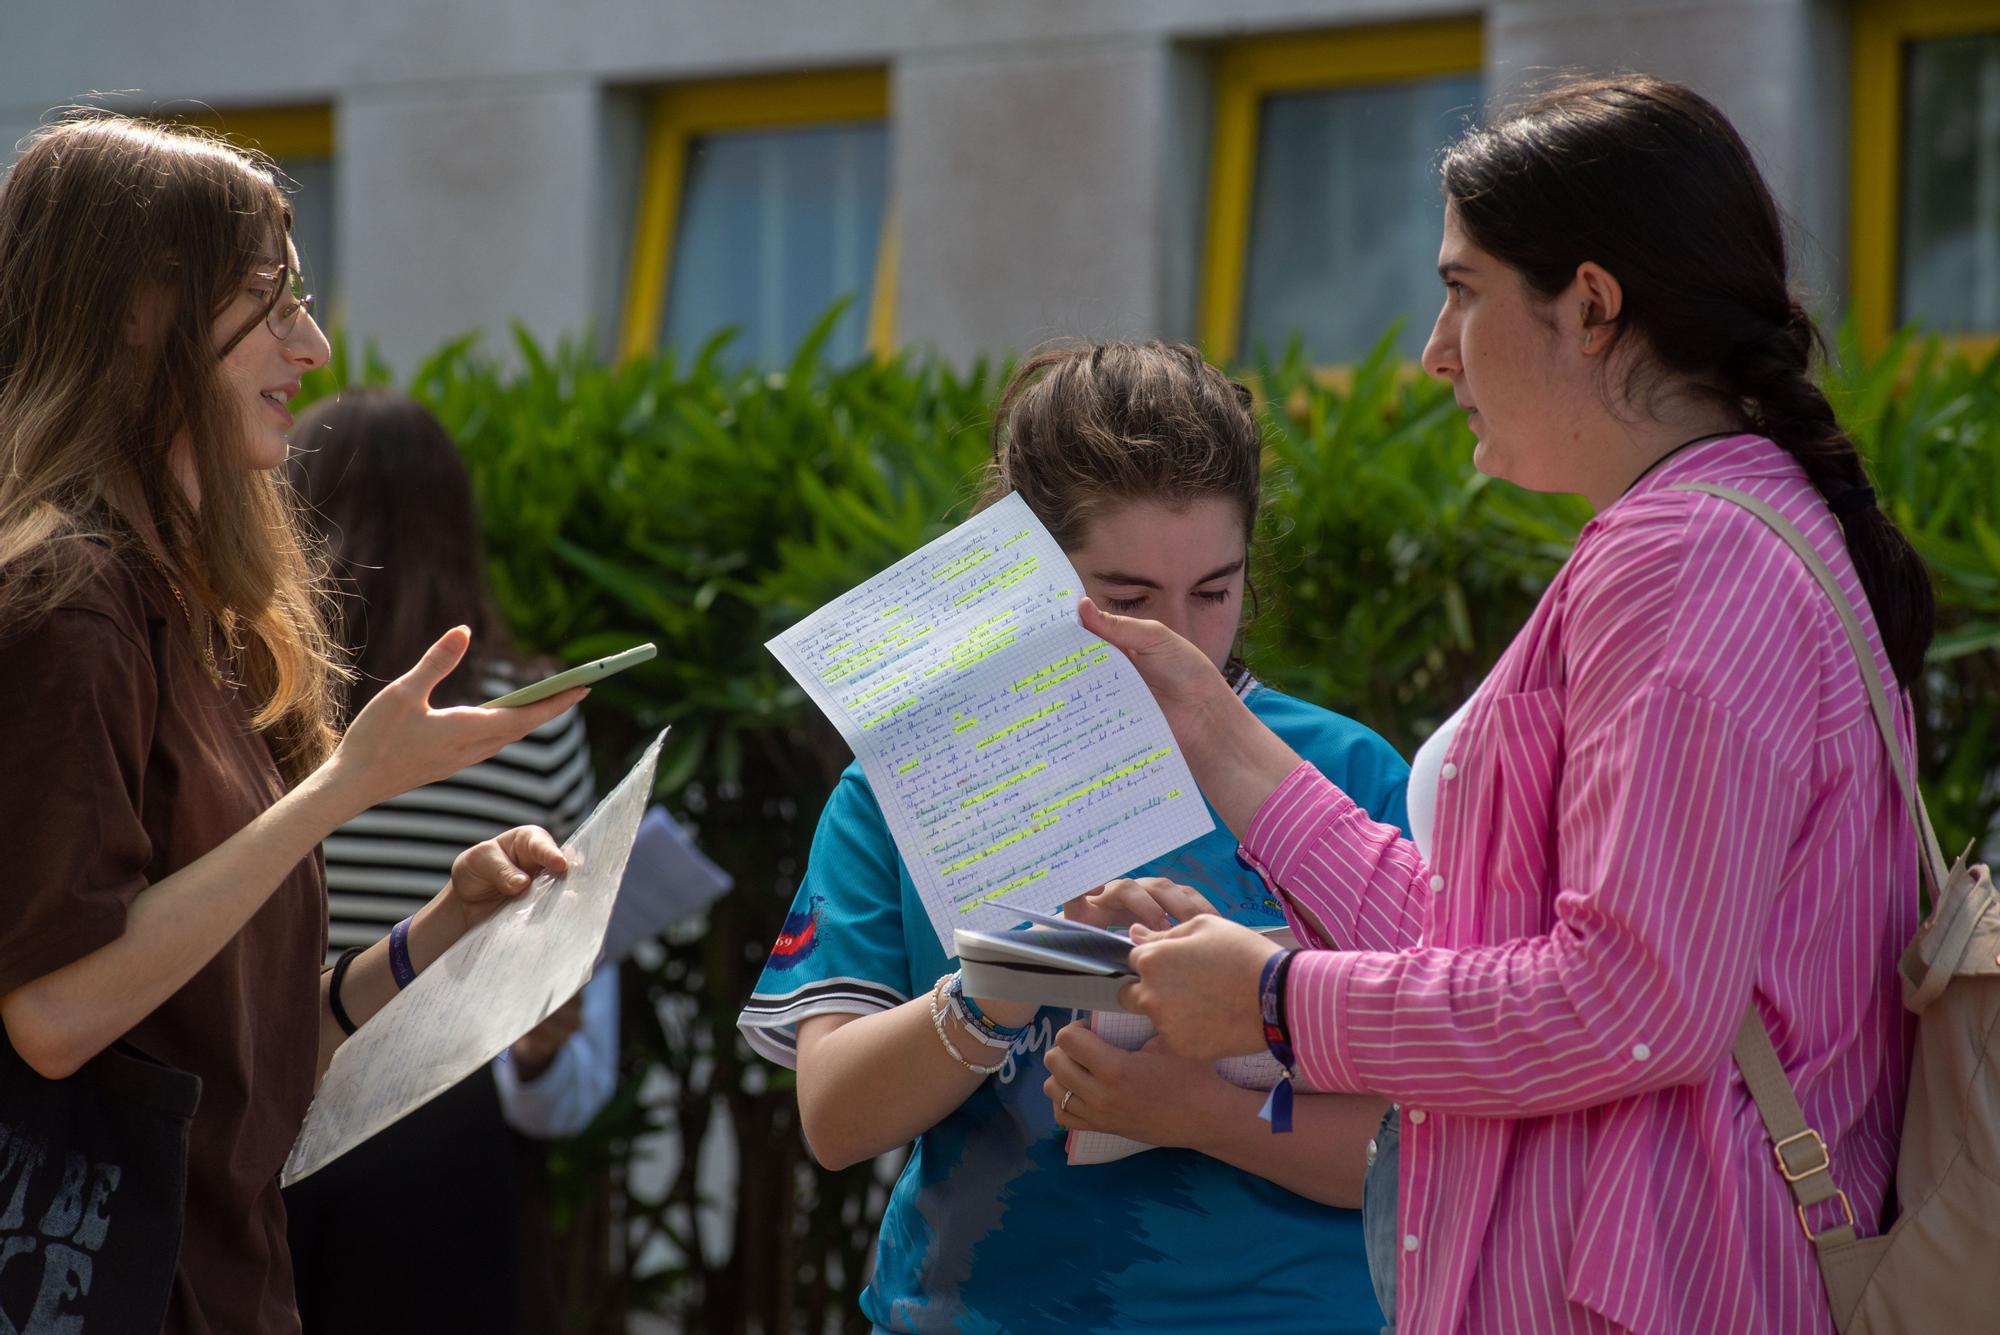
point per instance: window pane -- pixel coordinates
(1346, 215)
(1950, 261)
(312, 225)
(774, 226)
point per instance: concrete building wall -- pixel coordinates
(1778, 68)
(1049, 159)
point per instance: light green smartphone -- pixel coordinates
(587, 675)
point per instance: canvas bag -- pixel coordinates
(93, 1176)
(1937, 1270)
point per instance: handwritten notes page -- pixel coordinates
(1018, 758)
(497, 982)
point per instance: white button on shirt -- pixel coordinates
(1437, 885)
(1409, 1242)
(1416, 1115)
(1449, 771)
(1640, 1052)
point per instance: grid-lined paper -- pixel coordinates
(1018, 759)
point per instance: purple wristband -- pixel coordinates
(1277, 1109)
(399, 954)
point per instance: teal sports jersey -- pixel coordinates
(989, 1228)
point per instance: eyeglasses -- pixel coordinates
(283, 317)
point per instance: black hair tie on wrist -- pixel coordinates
(340, 1017)
(1854, 501)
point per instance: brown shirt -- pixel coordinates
(121, 762)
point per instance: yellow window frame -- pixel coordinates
(1875, 193)
(1249, 71)
(683, 112)
(281, 132)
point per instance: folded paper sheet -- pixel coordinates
(497, 982)
(668, 878)
(1018, 759)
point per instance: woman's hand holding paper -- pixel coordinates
(483, 877)
(1198, 985)
(1237, 760)
(1152, 1095)
(488, 874)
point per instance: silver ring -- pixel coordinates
(1068, 1094)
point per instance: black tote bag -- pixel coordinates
(93, 1179)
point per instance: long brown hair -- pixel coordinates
(1648, 179)
(108, 224)
(385, 484)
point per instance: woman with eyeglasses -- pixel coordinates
(171, 762)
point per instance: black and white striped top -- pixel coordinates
(388, 862)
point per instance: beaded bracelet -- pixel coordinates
(937, 1023)
(977, 1022)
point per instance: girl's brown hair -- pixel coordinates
(1083, 427)
(1648, 179)
(383, 480)
(121, 242)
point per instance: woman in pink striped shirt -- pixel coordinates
(1666, 803)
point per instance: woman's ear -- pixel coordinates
(1597, 300)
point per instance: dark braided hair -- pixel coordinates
(1648, 179)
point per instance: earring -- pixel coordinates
(1588, 335)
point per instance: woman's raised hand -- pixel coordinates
(1237, 760)
(1186, 684)
(399, 742)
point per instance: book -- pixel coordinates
(1053, 963)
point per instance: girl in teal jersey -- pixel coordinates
(1144, 464)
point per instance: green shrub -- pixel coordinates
(709, 508)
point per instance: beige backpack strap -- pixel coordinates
(1800, 1154)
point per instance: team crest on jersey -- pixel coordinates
(798, 938)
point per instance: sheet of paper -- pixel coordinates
(1018, 758)
(497, 982)
(666, 879)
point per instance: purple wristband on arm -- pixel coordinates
(399, 954)
(1277, 1109)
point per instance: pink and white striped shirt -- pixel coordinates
(1667, 799)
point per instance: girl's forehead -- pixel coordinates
(1188, 527)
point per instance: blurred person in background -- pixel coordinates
(452, 1183)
